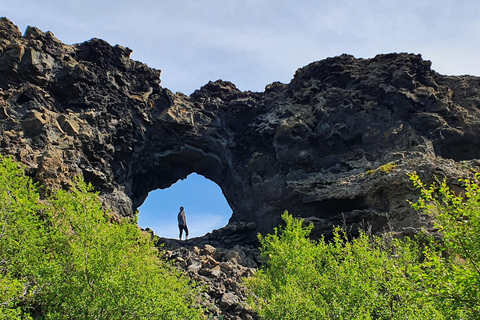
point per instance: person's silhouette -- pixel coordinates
(182, 223)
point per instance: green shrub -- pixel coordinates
(377, 277)
(367, 277)
(64, 258)
(23, 238)
(457, 216)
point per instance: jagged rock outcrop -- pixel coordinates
(316, 146)
(221, 272)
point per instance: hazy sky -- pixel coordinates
(253, 42)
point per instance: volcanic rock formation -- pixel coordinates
(333, 146)
(221, 271)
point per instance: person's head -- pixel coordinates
(182, 208)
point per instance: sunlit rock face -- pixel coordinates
(317, 147)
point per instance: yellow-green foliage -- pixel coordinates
(367, 277)
(457, 216)
(386, 168)
(63, 258)
(364, 278)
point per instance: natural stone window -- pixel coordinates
(204, 203)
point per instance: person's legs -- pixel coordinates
(186, 232)
(181, 231)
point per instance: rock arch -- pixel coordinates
(170, 167)
(316, 146)
(205, 204)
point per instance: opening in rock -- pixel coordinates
(204, 203)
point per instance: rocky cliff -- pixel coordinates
(333, 146)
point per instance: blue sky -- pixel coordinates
(205, 207)
(253, 43)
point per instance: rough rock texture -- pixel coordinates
(316, 146)
(221, 272)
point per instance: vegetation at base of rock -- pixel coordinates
(457, 216)
(375, 277)
(363, 278)
(66, 258)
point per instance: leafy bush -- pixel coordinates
(64, 258)
(23, 237)
(376, 277)
(456, 285)
(367, 277)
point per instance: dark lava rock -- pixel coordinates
(221, 272)
(317, 146)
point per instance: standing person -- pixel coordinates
(182, 223)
